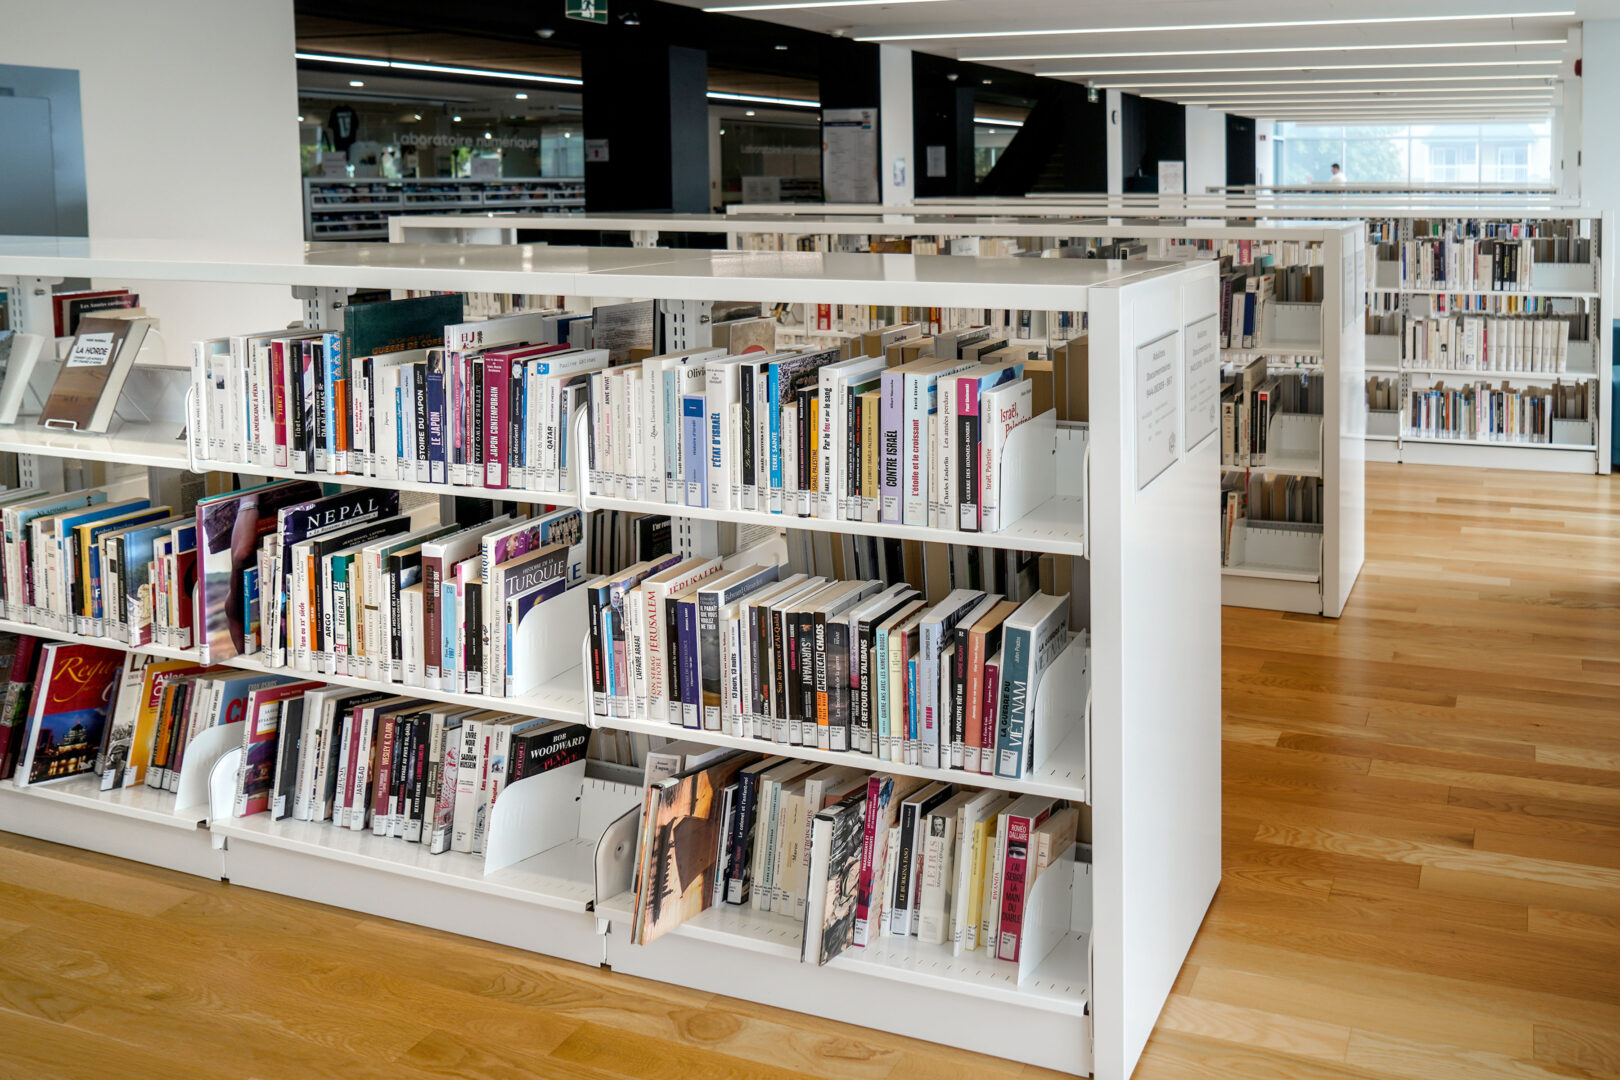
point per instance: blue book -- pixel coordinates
(335, 385)
(686, 632)
(783, 381)
(1031, 639)
(911, 701)
(694, 444)
(448, 672)
(435, 416)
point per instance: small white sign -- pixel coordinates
(936, 161)
(1172, 178)
(1202, 382)
(1158, 364)
(91, 350)
(761, 189)
(596, 149)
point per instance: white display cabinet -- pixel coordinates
(1323, 338)
(1111, 933)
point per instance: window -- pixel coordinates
(1443, 153)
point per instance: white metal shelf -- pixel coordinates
(140, 803)
(1516, 444)
(159, 445)
(1055, 527)
(475, 491)
(1573, 294)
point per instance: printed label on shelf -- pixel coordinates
(1202, 381)
(1157, 403)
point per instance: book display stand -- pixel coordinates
(1107, 936)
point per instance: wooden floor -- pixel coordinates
(1422, 849)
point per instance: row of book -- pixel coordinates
(1463, 264)
(421, 771)
(1551, 240)
(1478, 343)
(1255, 497)
(1508, 414)
(1248, 289)
(798, 659)
(852, 857)
(911, 430)
(1251, 397)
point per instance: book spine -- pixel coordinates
(1017, 644)
(496, 435)
(468, 767)
(967, 453)
(900, 901)
(1014, 866)
(916, 394)
(686, 631)
(869, 845)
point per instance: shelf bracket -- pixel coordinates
(28, 304)
(323, 305)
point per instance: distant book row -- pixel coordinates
(1271, 498)
(1551, 240)
(844, 666)
(852, 857)
(1463, 264)
(1478, 343)
(1507, 414)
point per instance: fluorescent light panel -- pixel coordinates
(1293, 92)
(442, 69)
(811, 5)
(1267, 25)
(1273, 49)
(1289, 83)
(998, 123)
(1296, 67)
(757, 99)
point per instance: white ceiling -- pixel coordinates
(1346, 60)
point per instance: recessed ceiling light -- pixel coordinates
(356, 82)
(998, 123)
(487, 135)
(781, 48)
(300, 119)
(416, 116)
(749, 112)
(987, 82)
(1273, 49)
(568, 134)
(457, 119)
(722, 131)
(1173, 28)
(521, 96)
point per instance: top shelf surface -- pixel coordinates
(787, 276)
(1053, 224)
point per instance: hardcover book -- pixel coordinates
(229, 529)
(680, 847)
(72, 704)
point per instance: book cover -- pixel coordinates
(835, 860)
(255, 777)
(15, 706)
(71, 705)
(89, 381)
(681, 846)
(542, 749)
(229, 529)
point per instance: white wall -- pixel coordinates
(1206, 149)
(1600, 90)
(190, 132)
(895, 140)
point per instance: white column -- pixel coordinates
(1116, 145)
(1600, 84)
(1206, 148)
(895, 140)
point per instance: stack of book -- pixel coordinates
(851, 857)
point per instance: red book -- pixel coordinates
(497, 395)
(72, 702)
(1017, 858)
(278, 402)
(259, 738)
(14, 707)
(989, 714)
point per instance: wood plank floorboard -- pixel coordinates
(1421, 848)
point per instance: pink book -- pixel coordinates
(990, 715)
(967, 405)
(278, 403)
(1017, 859)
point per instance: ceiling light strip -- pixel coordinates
(810, 5)
(1272, 49)
(1296, 67)
(1273, 24)
(438, 69)
(1342, 90)
(1289, 83)
(758, 99)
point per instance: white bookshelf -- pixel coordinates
(336, 208)
(1330, 333)
(556, 850)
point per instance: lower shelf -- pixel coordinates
(926, 990)
(1271, 594)
(136, 823)
(540, 904)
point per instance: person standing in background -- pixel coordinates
(1338, 176)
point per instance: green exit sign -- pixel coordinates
(588, 10)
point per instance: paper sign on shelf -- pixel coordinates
(936, 161)
(596, 149)
(1202, 380)
(1172, 178)
(91, 350)
(1157, 402)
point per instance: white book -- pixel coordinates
(722, 383)
(937, 880)
(656, 590)
(410, 632)
(661, 422)
(834, 487)
(1000, 411)
(917, 446)
(469, 775)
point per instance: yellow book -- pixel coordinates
(87, 536)
(975, 896)
(870, 406)
(815, 458)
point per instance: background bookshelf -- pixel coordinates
(1309, 569)
(339, 209)
(553, 877)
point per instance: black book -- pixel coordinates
(805, 642)
(473, 649)
(838, 689)
(516, 403)
(654, 537)
(315, 359)
(404, 772)
(967, 472)
(781, 658)
(672, 654)
(404, 570)
(289, 736)
(549, 746)
(593, 607)
(808, 440)
(912, 812)
(297, 421)
(959, 680)
(852, 442)
(745, 374)
(420, 768)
